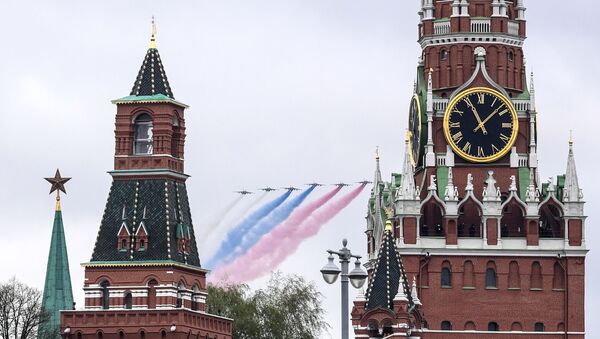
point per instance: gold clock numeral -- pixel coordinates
(467, 100)
(467, 147)
(480, 152)
(481, 98)
(501, 113)
(458, 112)
(507, 125)
(494, 102)
(495, 149)
(454, 124)
(457, 137)
(504, 138)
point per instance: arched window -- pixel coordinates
(143, 134)
(180, 290)
(470, 326)
(121, 335)
(516, 326)
(128, 301)
(537, 282)
(105, 295)
(100, 335)
(469, 220)
(493, 326)
(558, 280)
(446, 325)
(142, 245)
(387, 327)
(468, 275)
(444, 54)
(513, 220)
(431, 220)
(514, 279)
(123, 244)
(195, 295)
(79, 335)
(539, 327)
(163, 334)
(142, 335)
(373, 327)
(490, 276)
(551, 221)
(152, 293)
(511, 56)
(446, 276)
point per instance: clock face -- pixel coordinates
(481, 125)
(414, 129)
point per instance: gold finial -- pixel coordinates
(57, 201)
(153, 38)
(377, 153)
(408, 135)
(430, 71)
(570, 137)
(389, 226)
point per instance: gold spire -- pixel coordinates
(570, 137)
(57, 201)
(389, 226)
(377, 153)
(153, 38)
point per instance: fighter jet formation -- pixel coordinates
(292, 188)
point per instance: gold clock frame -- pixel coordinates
(409, 134)
(505, 149)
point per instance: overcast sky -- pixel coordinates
(281, 93)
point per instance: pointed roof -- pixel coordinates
(387, 275)
(572, 192)
(407, 189)
(58, 294)
(152, 79)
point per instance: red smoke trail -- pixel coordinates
(273, 249)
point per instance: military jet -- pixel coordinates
(291, 188)
(341, 184)
(316, 184)
(244, 192)
(364, 182)
(268, 189)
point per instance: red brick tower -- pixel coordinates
(496, 252)
(144, 279)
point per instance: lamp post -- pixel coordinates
(357, 278)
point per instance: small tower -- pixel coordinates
(58, 294)
(145, 266)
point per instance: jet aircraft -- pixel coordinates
(268, 189)
(244, 192)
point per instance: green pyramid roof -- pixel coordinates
(58, 294)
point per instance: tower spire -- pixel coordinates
(407, 189)
(58, 294)
(572, 192)
(153, 37)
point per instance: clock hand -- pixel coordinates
(474, 110)
(481, 123)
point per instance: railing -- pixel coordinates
(480, 25)
(440, 104)
(523, 160)
(513, 27)
(441, 159)
(441, 27)
(521, 105)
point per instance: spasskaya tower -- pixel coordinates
(495, 251)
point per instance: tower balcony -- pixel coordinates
(473, 25)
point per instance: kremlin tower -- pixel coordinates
(495, 251)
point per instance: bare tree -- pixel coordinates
(20, 311)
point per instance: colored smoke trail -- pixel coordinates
(214, 236)
(211, 226)
(234, 236)
(268, 254)
(265, 226)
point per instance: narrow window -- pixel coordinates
(468, 275)
(142, 244)
(470, 326)
(128, 301)
(446, 325)
(516, 327)
(444, 54)
(558, 281)
(536, 276)
(514, 279)
(490, 276)
(511, 56)
(493, 327)
(180, 289)
(105, 296)
(539, 327)
(446, 276)
(123, 245)
(143, 134)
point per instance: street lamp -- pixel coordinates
(357, 278)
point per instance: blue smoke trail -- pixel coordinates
(265, 226)
(234, 236)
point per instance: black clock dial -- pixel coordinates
(414, 129)
(481, 125)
